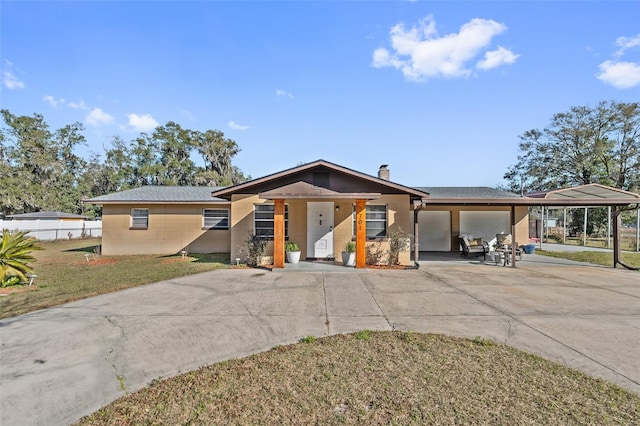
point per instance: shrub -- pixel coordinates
(375, 253)
(15, 252)
(256, 247)
(398, 242)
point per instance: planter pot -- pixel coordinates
(293, 256)
(348, 258)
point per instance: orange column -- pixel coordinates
(361, 234)
(278, 234)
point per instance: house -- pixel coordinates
(52, 225)
(320, 205)
(48, 215)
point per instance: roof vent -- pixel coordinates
(383, 173)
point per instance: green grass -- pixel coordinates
(596, 257)
(65, 275)
(388, 378)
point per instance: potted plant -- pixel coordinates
(293, 252)
(349, 255)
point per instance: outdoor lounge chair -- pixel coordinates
(475, 245)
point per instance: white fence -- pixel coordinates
(55, 229)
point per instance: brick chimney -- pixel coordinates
(383, 173)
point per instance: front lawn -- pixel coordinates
(379, 378)
(69, 270)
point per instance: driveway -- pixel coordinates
(60, 364)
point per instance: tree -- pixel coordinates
(584, 145)
(15, 253)
(174, 144)
(217, 153)
(31, 157)
(40, 170)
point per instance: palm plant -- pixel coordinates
(15, 252)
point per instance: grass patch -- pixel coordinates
(596, 257)
(69, 270)
(389, 378)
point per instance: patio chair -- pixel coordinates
(503, 245)
(475, 245)
(503, 240)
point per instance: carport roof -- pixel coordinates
(591, 191)
(585, 195)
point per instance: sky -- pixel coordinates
(439, 91)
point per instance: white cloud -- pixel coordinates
(53, 101)
(98, 117)
(496, 58)
(142, 123)
(420, 54)
(78, 105)
(618, 73)
(621, 75)
(280, 92)
(236, 126)
(11, 81)
(625, 43)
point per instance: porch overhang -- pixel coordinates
(305, 190)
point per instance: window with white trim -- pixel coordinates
(263, 221)
(376, 221)
(140, 218)
(215, 218)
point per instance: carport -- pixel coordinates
(591, 195)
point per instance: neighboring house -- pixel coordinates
(47, 216)
(53, 225)
(319, 205)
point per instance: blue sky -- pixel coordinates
(440, 91)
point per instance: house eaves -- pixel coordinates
(247, 187)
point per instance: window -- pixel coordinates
(263, 220)
(140, 218)
(215, 218)
(376, 217)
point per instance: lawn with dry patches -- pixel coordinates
(69, 270)
(379, 378)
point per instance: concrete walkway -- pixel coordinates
(60, 364)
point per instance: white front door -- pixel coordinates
(320, 230)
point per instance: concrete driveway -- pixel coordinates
(60, 364)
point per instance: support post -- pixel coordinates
(564, 227)
(278, 234)
(609, 227)
(541, 225)
(584, 227)
(638, 229)
(361, 234)
(416, 241)
(513, 236)
(616, 236)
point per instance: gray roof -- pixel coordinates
(161, 194)
(467, 192)
(47, 215)
(202, 194)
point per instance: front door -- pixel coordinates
(320, 230)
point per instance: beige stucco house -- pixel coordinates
(319, 205)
